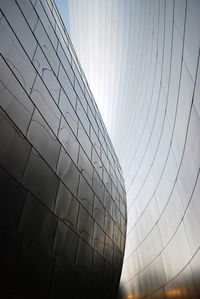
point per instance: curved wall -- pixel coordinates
(63, 205)
(148, 52)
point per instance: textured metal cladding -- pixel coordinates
(148, 53)
(63, 203)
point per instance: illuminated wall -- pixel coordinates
(62, 198)
(142, 60)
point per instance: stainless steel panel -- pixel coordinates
(108, 183)
(43, 139)
(67, 85)
(92, 118)
(84, 256)
(47, 25)
(66, 206)
(14, 100)
(65, 59)
(132, 265)
(62, 283)
(154, 245)
(153, 277)
(85, 194)
(40, 232)
(85, 225)
(99, 239)
(68, 112)
(67, 171)
(148, 219)
(40, 179)
(15, 160)
(190, 167)
(60, 237)
(12, 203)
(97, 162)
(146, 83)
(99, 212)
(84, 140)
(15, 56)
(194, 265)
(192, 219)
(191, 50)
(109, 205)
(108, 249)
(68, 140)
(197, 92)
(85, 166)
(95, 140)
(29, 13)
(33, 273)
(182, 286)
(167, 223)
(174, 258)
(45, 104)
(81, 111)
(10, 249)
(79, 90)
(46, 46)
(98, 186)
(109, 225)
(65, 244)
(20, 26)
(43, 67)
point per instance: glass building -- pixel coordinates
(63, 202)
(141, 59)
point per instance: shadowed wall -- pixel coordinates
(62, 204)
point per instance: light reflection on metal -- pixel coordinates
(143, 60)
(63, 209)
(174, 292)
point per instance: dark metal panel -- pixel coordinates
(13, 160)
(60, 238)
(41, 180)
(43, 139)
(67, 206)
(37, 225)
(12, 201)
(67, 171)
(85, 194)
(99, 212)
(65, 244)
(32, 274)
(85, 225)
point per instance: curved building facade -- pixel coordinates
(146, 54)
(63, 203)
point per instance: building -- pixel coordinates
(63, 202)
(141, 59)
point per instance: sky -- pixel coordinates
(62, 6)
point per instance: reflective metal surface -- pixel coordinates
(63, 203)
(141, 59)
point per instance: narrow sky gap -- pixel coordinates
(62, 6)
